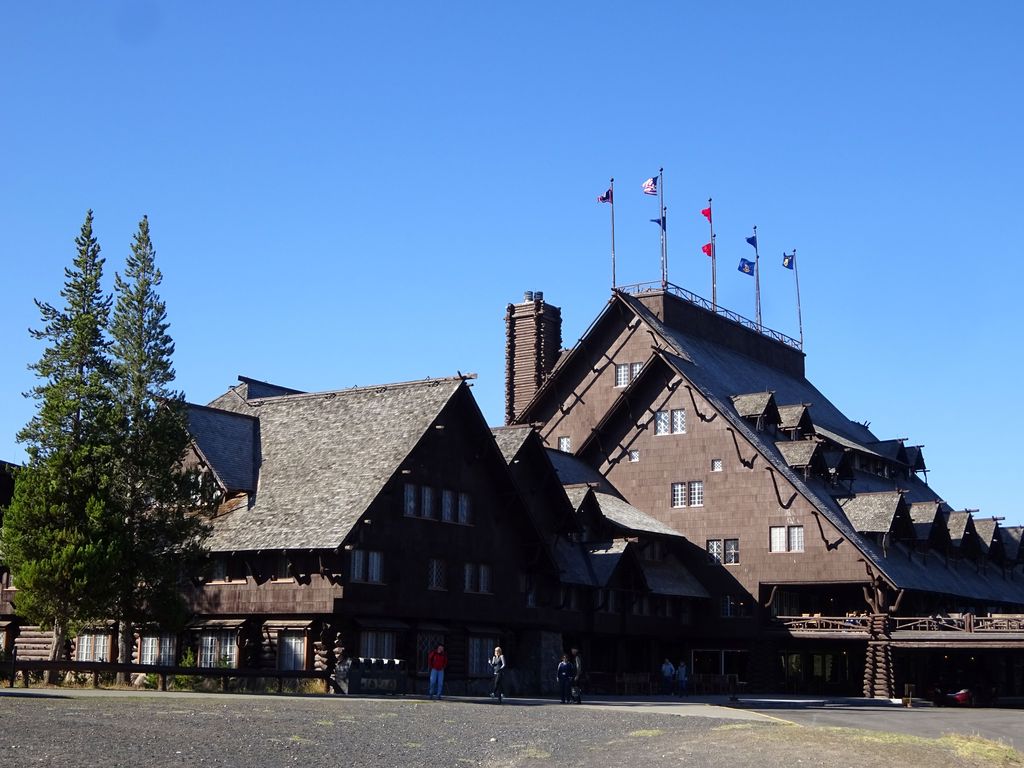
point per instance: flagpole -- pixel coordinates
(714, 281)
(757, 282)
(611, 187)
(661, 206)
(799, 315)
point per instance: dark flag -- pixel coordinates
(789, 260)
(650, 186)
(752, 240)
(606, 197)
(706, 249)
(660, 222)
(706, 212)
(746, 267)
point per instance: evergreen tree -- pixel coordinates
(53, 533)
(158, 535)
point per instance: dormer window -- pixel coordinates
(626, 372)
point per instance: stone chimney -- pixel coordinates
(533, 342)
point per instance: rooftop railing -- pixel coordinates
(700, 301)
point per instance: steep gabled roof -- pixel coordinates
(872, 512)
(794, 416)
(927, 517)
(754, 405)
(325, 458)
(510, 439)
(572, 471)
(991, 542)
(915, 457)
(605, 559)
(238, 396)
(890, 449)
(1011, 542)
(227, 441)
(959, 523)
(797, 453)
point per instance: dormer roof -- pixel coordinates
(873, 512)
(798, 453)
(795, 417)
(756, 405)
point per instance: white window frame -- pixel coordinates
(93, 645)
(716, 465)
(786, 538)
(731, 551)
(565, 444)
(795, 538)
(634, 455)
(158, 649)
(696, 493)
(662, 423)
(777, 538)
(677, 496)
(218, 646)
(714, 550)
(367, 566)
(678, 421)
(621, 375)
(634, 370)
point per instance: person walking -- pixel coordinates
(681, 678)
(668, 677)
(577, 677)
(437, 662)
(565, 673)
(498, 665)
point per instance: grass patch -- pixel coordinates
(324, 723)
(646, 733)
(533, 753)
(975, 747)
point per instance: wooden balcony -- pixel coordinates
(939, 631)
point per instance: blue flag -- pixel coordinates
(660, 222)
(788, 259)
(746, 267)
(752, 240)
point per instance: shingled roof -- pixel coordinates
(671, 577)
(797, 453)
(792, 416)
(573, 471)
(624, 514)
(227, 442)
(325, 458)
(511, 439)
(1012, 536)
(872, 512)
(754, 405)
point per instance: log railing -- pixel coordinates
(962, 623)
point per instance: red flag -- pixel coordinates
(707, 213)
(706, 249)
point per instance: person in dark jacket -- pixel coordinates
(498, 665)
(577, 678)
(437, 662)
(566, 672)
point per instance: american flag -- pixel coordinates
(606, 197)
(651, 186)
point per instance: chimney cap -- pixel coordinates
(527, 295)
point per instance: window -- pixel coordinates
(437, 574)
(732, 551)
(410, 500)
(464, 509)
(783, 538)
(565, 444)
(157, 649)
(367, 566)
(662, 422)
(481, 650)
(218, 647)
(477, 578)
(376, 644)
(716, 465)
(93, 646)
(795, 535)
(678, 495)
(634, 456)
(670, 422)
(715, 550)
(219, 569)
(427, 509)
(678, 421)
(634, 370)
(621, 374)
(528, 587)
(281, 569)
(291, 650)
(697, 493)
(448, 506)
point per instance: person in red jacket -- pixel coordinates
(437, 660)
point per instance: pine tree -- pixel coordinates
(159, 536)
(53, 536)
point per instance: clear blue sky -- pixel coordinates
(351, 193)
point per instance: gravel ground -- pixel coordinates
(335, 731)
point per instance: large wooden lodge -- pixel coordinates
(672, 486)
